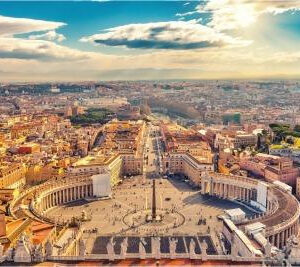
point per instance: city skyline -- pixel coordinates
(139, 40)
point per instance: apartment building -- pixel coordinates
(99, 164)
(12, 175)
(186, 164)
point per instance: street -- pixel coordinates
(152, 153)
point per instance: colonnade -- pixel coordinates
(62, 195)
(279, 239)
(226, 190)
(245, 189)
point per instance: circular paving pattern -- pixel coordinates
(169, 220)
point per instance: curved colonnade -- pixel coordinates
(281, 216)
(53, 193)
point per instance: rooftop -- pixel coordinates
(100, 159)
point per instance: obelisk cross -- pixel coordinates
(153, 202)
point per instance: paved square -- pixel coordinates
(184, 210)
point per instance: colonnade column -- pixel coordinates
(223, 190)
(277, 240)
(48, 202)
(68, 194)
(62, 196)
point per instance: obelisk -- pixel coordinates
(153, 202)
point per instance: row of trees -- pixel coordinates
(283, 131)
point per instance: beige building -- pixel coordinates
(132, 164)
(99, 164)
(185, 163)
(234, 141)
(284, 172)
(243, 140)
(33, 173)
(12, 175)
(38, 173)
(120, 152)
(187, 152)
(116, 164)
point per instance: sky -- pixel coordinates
(138, 40)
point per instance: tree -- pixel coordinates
(259, 140)
(297, 128)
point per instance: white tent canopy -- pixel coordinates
(101, 185)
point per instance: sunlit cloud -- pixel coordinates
(50, 36)
(234, 14)
(176, 35)
(39, 46)
(226, 39)
(11, 26)
(38, 49)
(186, 14)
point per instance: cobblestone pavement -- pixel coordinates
(132, 197)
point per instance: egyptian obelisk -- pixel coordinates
(153, 202)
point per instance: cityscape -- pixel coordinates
(149, 133)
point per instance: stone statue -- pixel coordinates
(155, 244)
(22, 251)
(9, 254)
(192, 249)
(293, 250)
(81, 247)
(142, 250)
(38, 254)
(203, 250)
(124, 246)
(48, 249)
(173, 244)
(268, 250)
(1, 250)
(110, 249)
(60, 251)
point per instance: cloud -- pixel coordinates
(180, 49)
(38, 49)
(11, 26)
(186, 14)
(50, 36)
(176, 35)
(39, 46)
(159, 64)
(234, 14)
